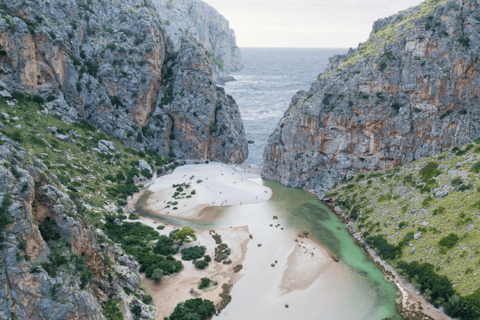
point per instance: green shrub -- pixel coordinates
(429, 171)
(197, 309)
(385, 249)
(111, 311)
(385, 197)
(201, 264)
(147, 299)
(237, 268)
(204, 282)
(402, 224)
(136, 310)
(146, 173)
(116, 101)
(49, 230)
(4, 220)
(439, 210)
(450, 241)
(464, 41)
(165, 246)
(457, 181)
(85, 278)
(157, 275)
(192, 253)
(133, 216)
(160, 227)
(476, 167)
(427, 201)
(439, 287)
(16, 136)
(464, 308)
(396, 106)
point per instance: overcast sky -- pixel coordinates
(305, 23)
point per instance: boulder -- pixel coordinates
(441, 194)
(142, 164)
(52, 129)
(4, 94)
(106, 145)
(62, 137)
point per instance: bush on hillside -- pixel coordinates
(449, 241)
(429, 171)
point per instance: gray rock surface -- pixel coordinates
(42, 226)
(106, 146)
(196, 19)
(104, 62)
(142, 164)
(410, 91)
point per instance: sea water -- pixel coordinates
(265, 86)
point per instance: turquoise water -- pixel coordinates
(353, 288)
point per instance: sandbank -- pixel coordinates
(215, 184)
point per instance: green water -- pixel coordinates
(358, 290)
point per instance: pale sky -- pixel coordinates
(305, 23)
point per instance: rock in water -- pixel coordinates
(408, 92)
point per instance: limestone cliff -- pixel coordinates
(53, 264)
(103, 61)
(196, 19)
(408, 92)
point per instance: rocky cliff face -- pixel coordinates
(196, 119)
(408, 92)
(196, 19)
(53, 264)
(104, 61)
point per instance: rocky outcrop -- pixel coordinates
(197, 20)
(408, 92)
(53, 264)
(103, 61)
(195, 118)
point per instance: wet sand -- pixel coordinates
(305, 264)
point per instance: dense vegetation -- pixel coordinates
(197, 309)
(421, 218)
(193, 253)
(135, 239)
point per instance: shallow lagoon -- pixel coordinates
(353, 288)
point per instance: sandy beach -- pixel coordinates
(213, 184)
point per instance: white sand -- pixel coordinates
(222, 185)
